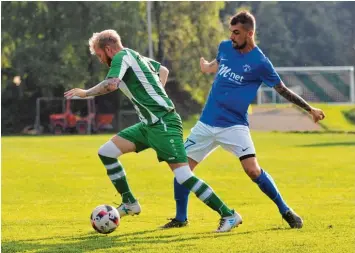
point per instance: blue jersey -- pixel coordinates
(235, 85)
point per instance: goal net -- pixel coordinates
(314, 84)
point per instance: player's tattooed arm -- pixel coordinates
(317, 114)
(292, 97)
(106, 86)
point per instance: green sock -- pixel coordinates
(117, 175)
(207, 195)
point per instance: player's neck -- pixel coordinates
(117, 50)
(247, 48)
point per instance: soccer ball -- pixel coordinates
(105, 219)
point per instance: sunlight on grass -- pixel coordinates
(51, 184)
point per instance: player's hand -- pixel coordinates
(75, 92)
(317, 114)
(203, 65)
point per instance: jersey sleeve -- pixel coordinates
(156, 65)
(268, 74)
(119, 65)
(219, 53)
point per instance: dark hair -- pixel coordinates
(245, 18)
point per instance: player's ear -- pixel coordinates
(250, 34)
(107, 49)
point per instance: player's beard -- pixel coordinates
(242, 46)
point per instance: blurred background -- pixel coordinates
(44, 51)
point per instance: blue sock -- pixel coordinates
(181, 194)
(268, 186)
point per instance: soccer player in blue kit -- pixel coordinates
(240, 68)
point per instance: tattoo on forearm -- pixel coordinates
(104, 87)
(292, 97)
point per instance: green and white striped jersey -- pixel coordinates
(141, 84)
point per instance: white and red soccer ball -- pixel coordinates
(105, 219)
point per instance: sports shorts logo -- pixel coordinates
(244, 149)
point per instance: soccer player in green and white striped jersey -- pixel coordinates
(142, 80)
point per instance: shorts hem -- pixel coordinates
(246, 156)
(173, 161)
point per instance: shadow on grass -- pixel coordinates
(93, 241)
(328, 144)
(236, 232)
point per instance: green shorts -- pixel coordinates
(165, 137)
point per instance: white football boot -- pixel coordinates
(227, 223)
(129, 209)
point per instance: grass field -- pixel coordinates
(335, 119)
(51, 184)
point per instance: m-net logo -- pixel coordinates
(228, 73)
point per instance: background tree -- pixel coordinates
(46, 44)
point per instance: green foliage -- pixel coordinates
(49, 188)
(183, 39)
(304, 33)
(336, 117)
(52, 37)
(46, 43)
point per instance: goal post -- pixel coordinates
(331, 84)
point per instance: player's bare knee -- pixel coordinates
(253, 172)
(192, 163)
(124, 145)
(251, 167)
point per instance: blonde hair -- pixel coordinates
(104, 38)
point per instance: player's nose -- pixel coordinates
(231, 37)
